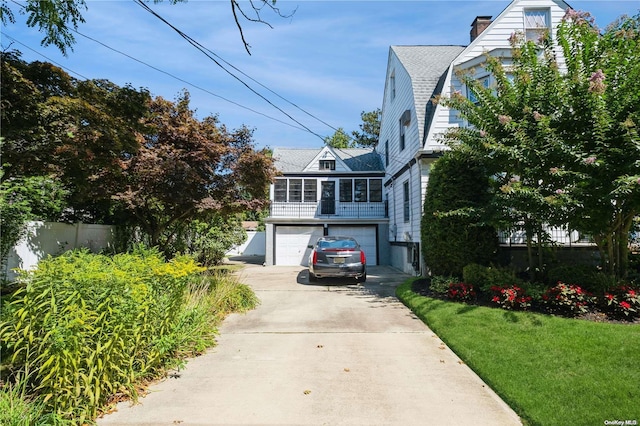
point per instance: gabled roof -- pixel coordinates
(292, 160)
(426, 66)
(326, 153)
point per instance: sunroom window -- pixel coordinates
(280, 190)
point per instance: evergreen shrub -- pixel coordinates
(453, 234)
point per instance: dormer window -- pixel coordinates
(536, 24)
(327, 164)
(484, 83)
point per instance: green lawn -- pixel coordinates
(550, 370)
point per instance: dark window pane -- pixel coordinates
(406, 202)
(360, 190)
(295, 190)
(375, 190)
(346, 191)
(310, 190)
(327, 164)
(280, 190)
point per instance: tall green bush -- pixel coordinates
(88, 326)
(453, 233)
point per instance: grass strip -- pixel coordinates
(550, 370)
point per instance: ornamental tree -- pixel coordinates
(562, 145)
(514, 137)
(77, 131)
(601, 110)
(187, 168)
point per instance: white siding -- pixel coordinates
(394, 108)
(509, 21)
(496, 36)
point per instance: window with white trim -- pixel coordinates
(310, 190)
(280, 190)
(360, 190)
(327, 164)
(536, 23)
(375, 190)
(484, 83)
(346, 190)
(295, 190)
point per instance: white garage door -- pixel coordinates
(291, 244)
(365, 235)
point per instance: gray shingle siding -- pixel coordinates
(426, 66)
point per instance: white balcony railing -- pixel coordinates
(557, 236)
(324, 209)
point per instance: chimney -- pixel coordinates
(479, 25)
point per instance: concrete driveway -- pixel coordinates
(334, 353)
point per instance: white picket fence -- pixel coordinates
(51, 238)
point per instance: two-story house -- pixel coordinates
(412, 123)
(326, 191)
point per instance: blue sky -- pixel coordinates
(329, 58)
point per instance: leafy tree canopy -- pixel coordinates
(367, 137)
(562, 145)
(186, 168)
(79, 131)
(369, 132)
(340, 139)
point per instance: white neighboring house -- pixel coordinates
(326, 191)
(412, 124)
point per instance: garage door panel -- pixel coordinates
(291, 244)
(365, 235)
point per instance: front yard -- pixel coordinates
(550, 370)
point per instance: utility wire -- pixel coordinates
(208, 53)
(154, 68)
(48, 59)
(202, 49)
(187, 82)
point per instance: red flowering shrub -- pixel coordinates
(510, 297)
(622, 302)
(567, 299)
(461, 292)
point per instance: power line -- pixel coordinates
(210, 54)
(202, 49)
(186, 82)
(47, 58)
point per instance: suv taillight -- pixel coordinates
(314, 260)
(363, 259)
